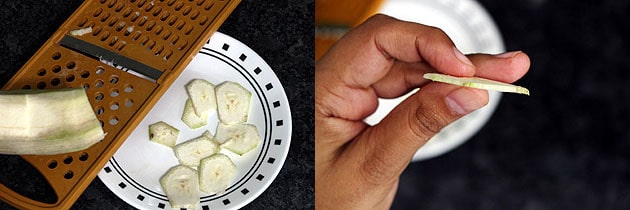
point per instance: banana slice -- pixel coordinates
(191, 152)
(190, 117)
(181, 186)
(163, 133)
(233, 102)
(476, 82)
(202, 96)
(216, 173)
(208, 134)
(238, 138)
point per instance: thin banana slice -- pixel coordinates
(208, 134)
(163, 133)
(190, 117)
(191, 152)
(238, 138)
(202, 96)
(476, 82)
(181, 185)
(216, 173)
(233, 102)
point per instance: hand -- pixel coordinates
(357, 166)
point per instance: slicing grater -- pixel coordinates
(125, 54)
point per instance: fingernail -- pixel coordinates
(461, 57)
(462, 101)
(507, 54)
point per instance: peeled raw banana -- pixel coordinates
(47, 122)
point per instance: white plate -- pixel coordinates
(133, 172)
(473, 31)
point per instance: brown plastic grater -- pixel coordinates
(125, 54)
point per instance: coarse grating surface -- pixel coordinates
(161, 34)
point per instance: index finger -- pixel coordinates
(369, 51)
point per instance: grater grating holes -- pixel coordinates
(203, 20)
(114, 106)
(41, 85)
(68, 159)
(114, 93)
(129, 102)
(84, 156)
(121, 25)
(156, 11)
(165, 15)
(55, 82)
(96, 30)
(149, 7)
(113, 120)
(158, 30)
(157, 48)
(52, 164)
(99, 96)
(166, 35)
(105, 16)
(127, 12)
(71, 65)
(119, 7)
(112, 21)
(97, 12)
(82, 22)
(56, 56)
(111, 3)
(99, 110)
(69, 174)
(194, 14)
(185, 11)
(41, 72)
(56, 69)
(99, 83)
(172, 20)
(150, 25)
(70, 78)
(179, 6)
(209, 6)
(174, 39)
(85, 74)
(104, 35)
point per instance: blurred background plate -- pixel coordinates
(473, 31)
(466, 23)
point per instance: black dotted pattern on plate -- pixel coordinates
(238, 187)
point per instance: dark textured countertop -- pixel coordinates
(281, 32)
(567, 146)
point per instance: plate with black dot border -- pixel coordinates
(134, 170)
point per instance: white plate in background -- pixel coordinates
(133, 173)
(473, 31)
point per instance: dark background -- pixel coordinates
(567, 146)
(280, 31)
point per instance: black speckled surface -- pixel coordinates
(281, 32)
(567, 146)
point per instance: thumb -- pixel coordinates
(389, 146)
